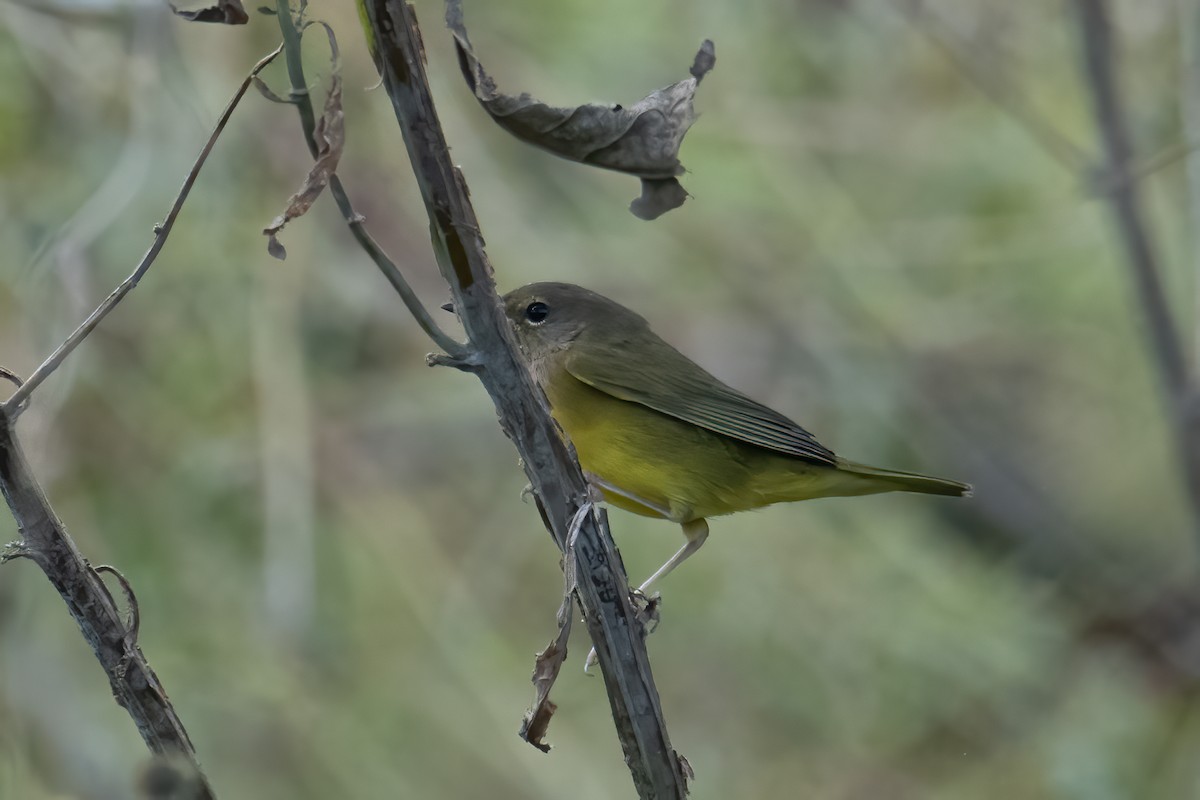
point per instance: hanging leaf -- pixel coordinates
(225, 12)
(330, 134)
(642, 139)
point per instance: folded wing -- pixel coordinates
(659, 377)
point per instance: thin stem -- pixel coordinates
(1189, 32)
(15, 403)
(1166, 345)
(1099, 58)
(300, 97)
(114, 642)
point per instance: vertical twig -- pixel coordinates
(299, 96)
(395, 43)
(1166, 346)
(1189, 47)
(286, 453)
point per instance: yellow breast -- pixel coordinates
(658, 466)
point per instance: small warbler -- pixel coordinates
(660, 436)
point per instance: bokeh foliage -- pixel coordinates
(339, 586)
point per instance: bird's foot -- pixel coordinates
(645, 611)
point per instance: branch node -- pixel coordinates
(469, 361)
(14, 550)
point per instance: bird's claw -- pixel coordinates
(645, 610)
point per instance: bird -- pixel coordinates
(658, 435)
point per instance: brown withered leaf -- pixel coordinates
(642, 139)
(685, 771)
(330, 134)
(226, 12)
(549, 662)
(545, 672)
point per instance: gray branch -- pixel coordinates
(1099, 60)
(44, 541)
(602, 589)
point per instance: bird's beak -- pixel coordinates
(448, 307)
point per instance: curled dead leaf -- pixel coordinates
(685, 771)
(225, 12)
(642, 139)
(546, 668)
(330, 135)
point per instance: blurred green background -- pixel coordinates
(339, 586)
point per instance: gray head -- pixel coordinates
(548, 317)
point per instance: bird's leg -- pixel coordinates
(696, 532)
(596, 481)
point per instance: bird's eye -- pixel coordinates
(537, 312)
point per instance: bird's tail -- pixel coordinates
(897, 481)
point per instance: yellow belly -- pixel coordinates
(659, 466)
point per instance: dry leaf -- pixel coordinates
(685, 771)
(545, 671)
(642, 139)
(226, 12)
(549, 662)
(330, 133)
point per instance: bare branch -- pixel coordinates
(1099, 57)
(13, 406)
(559, 485)
(45, 541)
(1189, 69)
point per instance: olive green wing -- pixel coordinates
(656, 375)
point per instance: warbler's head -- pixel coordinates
(548, 317)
